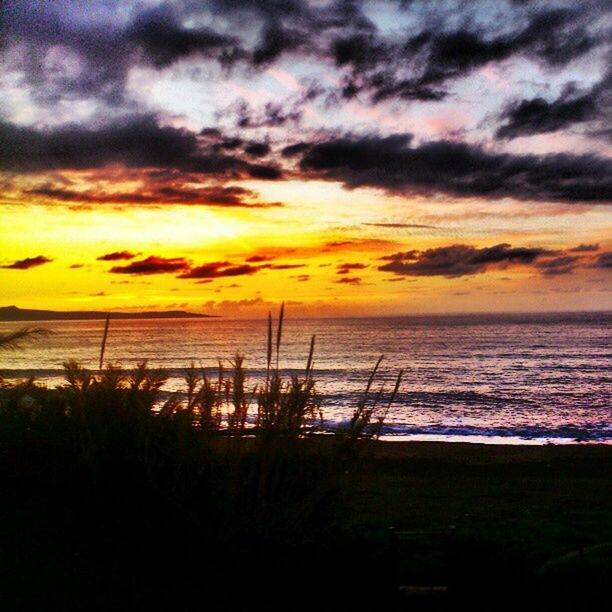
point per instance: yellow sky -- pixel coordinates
(321, 227)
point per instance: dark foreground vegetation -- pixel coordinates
(115, 496)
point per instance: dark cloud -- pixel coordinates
(257, 149)
(136, 142)
(349, 280)
(229, 144)
(295, 149)
(420, 67)
(345, 268)
(259, 258)
(275, 39)
(219, 269)
(27, 263)
(458, 260)
(164, 40)
(336, 244)
(222, 196)
(203, 272)
(458, 170)
(565, 264)
(446, 44)
(538, 116)
(155, 36)
(603, 261)
(153, 265)
(585, 248)
(116, 256)
(274, 114)
(266, 172)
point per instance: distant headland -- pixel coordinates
(13, 313)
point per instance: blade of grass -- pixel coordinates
(370, 381)
(310, 356)
(279, 332)
(382, 417)
(269, 355)
(104, 337)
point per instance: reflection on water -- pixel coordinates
(493, 377)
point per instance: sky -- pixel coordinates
(348, 157)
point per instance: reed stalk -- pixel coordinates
(279, 332)
(104, 337)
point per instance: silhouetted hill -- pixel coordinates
(13, 313)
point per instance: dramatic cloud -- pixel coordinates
(458, 260)
(218, 196)
(445, 41)
(459, 170)
(28, 262)
(164, 40)
(81, 37)
(153, 265)
(136, 142)
(420, 67)
(220, 269)
(538, 116)
(116, 256)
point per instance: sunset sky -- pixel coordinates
(347, 157)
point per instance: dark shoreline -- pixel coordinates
(15, 314)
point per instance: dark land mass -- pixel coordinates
(13, 313)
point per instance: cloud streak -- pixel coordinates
(458, 260)
(152, 265)
(27, 263)
(458, 170)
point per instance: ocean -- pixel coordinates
(511, 378)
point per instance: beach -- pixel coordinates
(523, 524)
(469, 486)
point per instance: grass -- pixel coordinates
(117, 491)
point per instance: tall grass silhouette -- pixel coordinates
(228, 470)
